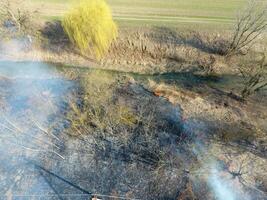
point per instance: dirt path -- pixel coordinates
(161, 19)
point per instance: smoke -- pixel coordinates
(213, 170)
(10, 49)
(220, 186)
(31, 95)
(224, 185)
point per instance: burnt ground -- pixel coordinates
(181, 158)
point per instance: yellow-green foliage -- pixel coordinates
(100, 110)
(90, 27)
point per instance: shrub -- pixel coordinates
(97, 109)
(90, 27)
(254, 73)
(249, 27)
(16, 20)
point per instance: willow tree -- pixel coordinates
(90, 27)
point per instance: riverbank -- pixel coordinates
(152, 50)
(145, 50)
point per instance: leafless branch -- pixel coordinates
(250, 25)
(254, 74)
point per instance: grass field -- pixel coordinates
(220, 13)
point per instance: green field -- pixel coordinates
(220, 13)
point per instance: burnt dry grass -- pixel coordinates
(154, 144)
(123, 139)
(130, 138)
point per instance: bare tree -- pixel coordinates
(250, 25)
(254, 73)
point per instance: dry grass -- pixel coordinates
(94, 108)
(166, 50)
(104, 109)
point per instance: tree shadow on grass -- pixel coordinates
(201, 84)
(56, 38)
(57, 41)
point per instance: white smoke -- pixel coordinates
(221, 187)
(222, 184)
(30, 97)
